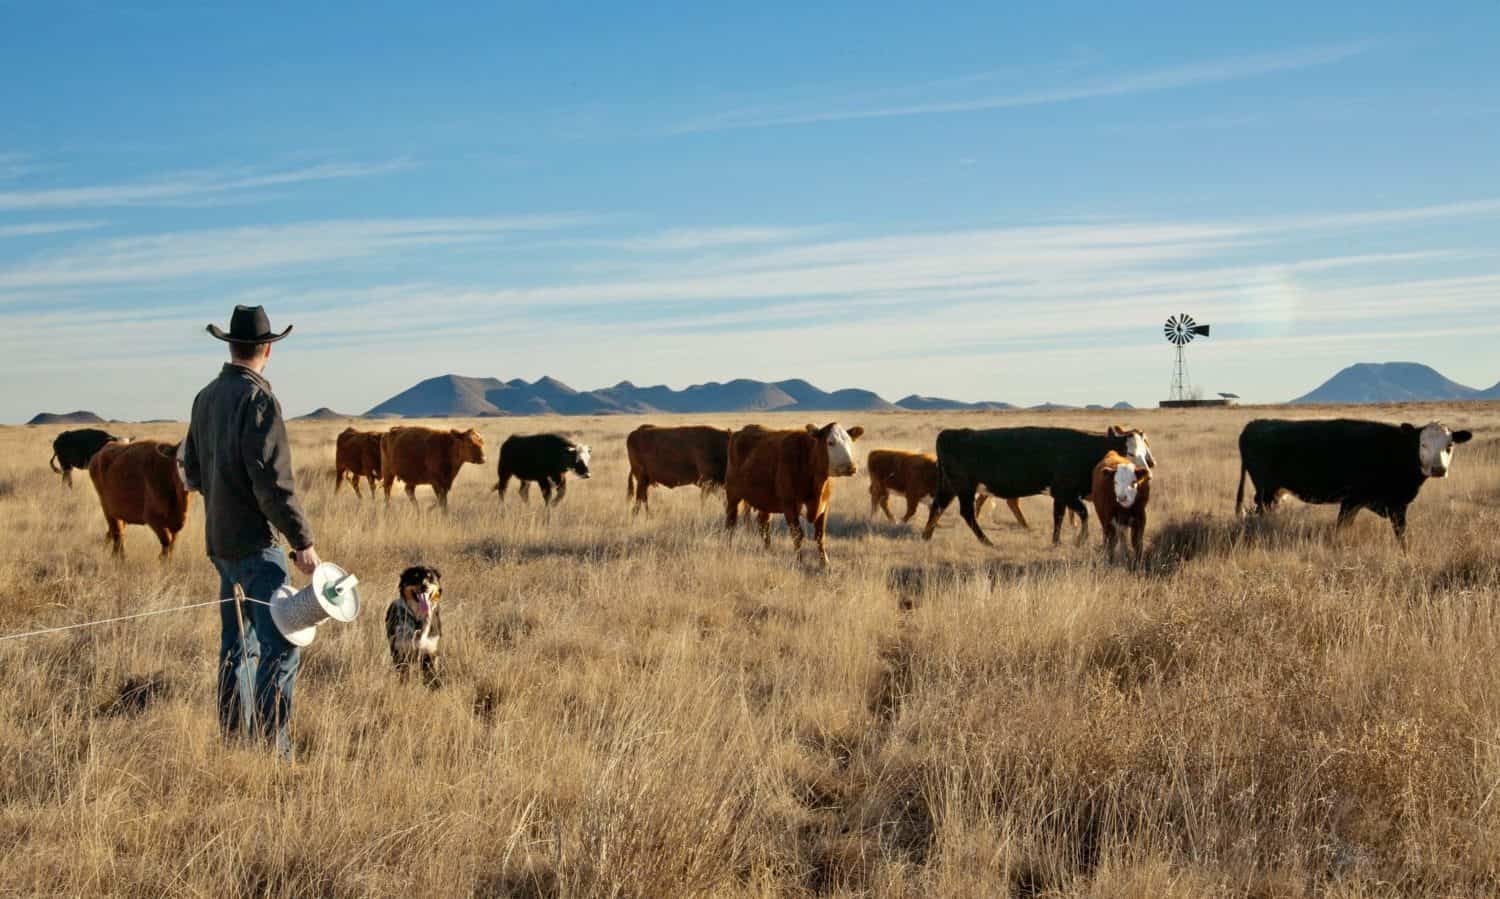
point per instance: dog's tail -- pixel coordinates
(53, 464)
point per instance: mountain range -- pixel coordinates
(1393, 382)
(456, 396)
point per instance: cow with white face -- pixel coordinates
(1435, 448)
(543, 458)
(787, 472)
(1137, 448)
(1357, 464)
(1121, 491)
(840, 445)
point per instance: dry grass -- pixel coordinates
(648, 708)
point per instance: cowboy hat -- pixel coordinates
(248, 324)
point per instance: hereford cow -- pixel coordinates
(357, 455)
(674, 457)
(427, 456)
(1357, 464)
(913, 476)
(1122, 491)
(1025, 462)
(544, 458)
(787, 472)
(74, 449)
(140, 483)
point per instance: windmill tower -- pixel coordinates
(1180, 331)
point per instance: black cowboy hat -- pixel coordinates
(248, 324)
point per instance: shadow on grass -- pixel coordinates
(495, 551)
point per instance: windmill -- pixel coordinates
(1180, 331)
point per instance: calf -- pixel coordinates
(1357, 464)
(74, 449)
(544, 458)
(427, 456)
(357, 455)
(140, 483)
(1121, 492)
(787, 472)
(1025, 462)
(674, 457)
(913, 476)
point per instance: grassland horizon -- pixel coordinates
(648, 706)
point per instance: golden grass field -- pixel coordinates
(650, 708)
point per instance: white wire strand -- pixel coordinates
(83, 624)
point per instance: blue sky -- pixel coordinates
(978, 202)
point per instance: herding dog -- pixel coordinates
(413, 625)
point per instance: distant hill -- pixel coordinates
(323, 413)
(1392, 382)
(457, 396)
(917, 403)
(66, 418)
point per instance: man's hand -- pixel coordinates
(306, 560)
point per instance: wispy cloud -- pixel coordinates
(165, 257)
(676, 239)
(1159, 79)
(180, 187)
(40, 228)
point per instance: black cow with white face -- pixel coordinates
(74, 449)
(544, 458)
(1357, 464)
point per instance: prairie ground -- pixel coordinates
(648, 707)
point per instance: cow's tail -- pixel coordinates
(1239, 497)
(53, 464)
(630, 484)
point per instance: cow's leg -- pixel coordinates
(940, 501)
(967, 510)
(1015, 511)
(877, 494)
(1347, 511)
(643, 495)
(523, 487)
(1398, 524)
(1076, 506)
(68, 477)
(354, 482)
(338, 481)
(1138, 536)
(763, 521)
(503, 483)
(793, 515)
(1059, 509)
(820, 526)
(731, 510)
(387, 482)
(115, 535)
(165, 537)
(562, 488)
(411, 493)
(546, 490)
(442, 497)
(912, 501)
(1107, 526)
(373, 480)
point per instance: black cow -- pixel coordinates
(544, 458)
(74, 449)
(1357, 464)
(1017, 462)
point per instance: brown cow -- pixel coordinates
(357, 455)
(674, 457)
(427, 456)
(139, 483)
(787, 472)
(914, 476)
(1121, 491)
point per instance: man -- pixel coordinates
(237, 455)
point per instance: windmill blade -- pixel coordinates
(1187, 322)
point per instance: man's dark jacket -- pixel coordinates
(237, 455)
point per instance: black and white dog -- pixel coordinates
(412, 623)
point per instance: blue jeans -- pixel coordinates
(256, 672)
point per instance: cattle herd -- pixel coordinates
(1357, 464)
